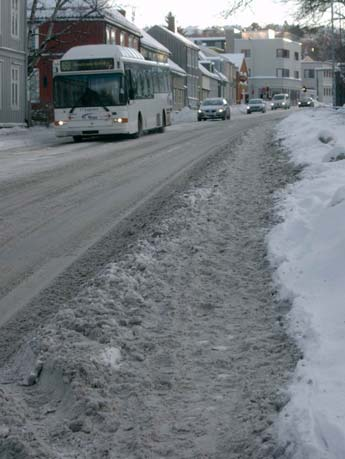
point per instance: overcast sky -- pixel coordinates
(204, 14)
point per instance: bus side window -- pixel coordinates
(130, 84)
(149, 83)
(156, 81)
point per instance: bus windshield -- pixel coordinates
(89, 90)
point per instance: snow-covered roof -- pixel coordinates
(206, 72)
(209, 52)
(100, 51)
(150, 42)
(81, 9)
(307, 59)
(236, 58)
(174, 68)
(221, 75)
(206, 38)
(180, 37)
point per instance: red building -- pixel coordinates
(72, 31)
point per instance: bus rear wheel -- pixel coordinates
(162, 128)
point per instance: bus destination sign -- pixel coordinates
(77, 65)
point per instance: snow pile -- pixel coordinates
(19, 137)
(308, 250)
(186, 115)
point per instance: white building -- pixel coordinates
(274, 64)
(317, 79)
(13, 105)
(324, 84)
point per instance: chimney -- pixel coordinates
(171, 22)
(122, 11)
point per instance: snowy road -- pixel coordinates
(57, 202)
(175, 349)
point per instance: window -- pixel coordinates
(327, 73)
(113, 36)
(122, 38)
(296, 74)
(1, 79)
(296, 56)
(309, 73)
(246, 52)
(15, 18)
(15, 87)
(130, 41)
(283, 53)
(327, 91)
(284, 73)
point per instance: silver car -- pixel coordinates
(256, 105)
(214, 108)
(280, 101)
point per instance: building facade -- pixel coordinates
(13, 100)
(317, 79)
(324, 83)
(185, 54)
(274, 66)
(225, 68)
(241, 79)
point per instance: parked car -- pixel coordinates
(256, 105)
(280, 101)
(307, 102)
(214, 108)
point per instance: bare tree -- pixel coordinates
(311, 11)
(48, 12)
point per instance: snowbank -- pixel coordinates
(308, 252)
(186, 115)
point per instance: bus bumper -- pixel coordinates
(65, 131)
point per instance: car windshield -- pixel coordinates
(89, 90)
(256, 101)
(212, 102)
(279, 97)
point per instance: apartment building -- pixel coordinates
(13, 105)
(274, 64)
(185, 54)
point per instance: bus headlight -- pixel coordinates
(120, 120)
(59, 123)
(220, 110)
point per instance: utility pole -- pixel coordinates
(334, 100)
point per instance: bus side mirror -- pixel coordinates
(131, 93)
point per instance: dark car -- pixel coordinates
(308, 102)
(256, 105)
(214, 108)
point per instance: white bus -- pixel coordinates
(109, 89)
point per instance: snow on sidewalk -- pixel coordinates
(308, 251)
